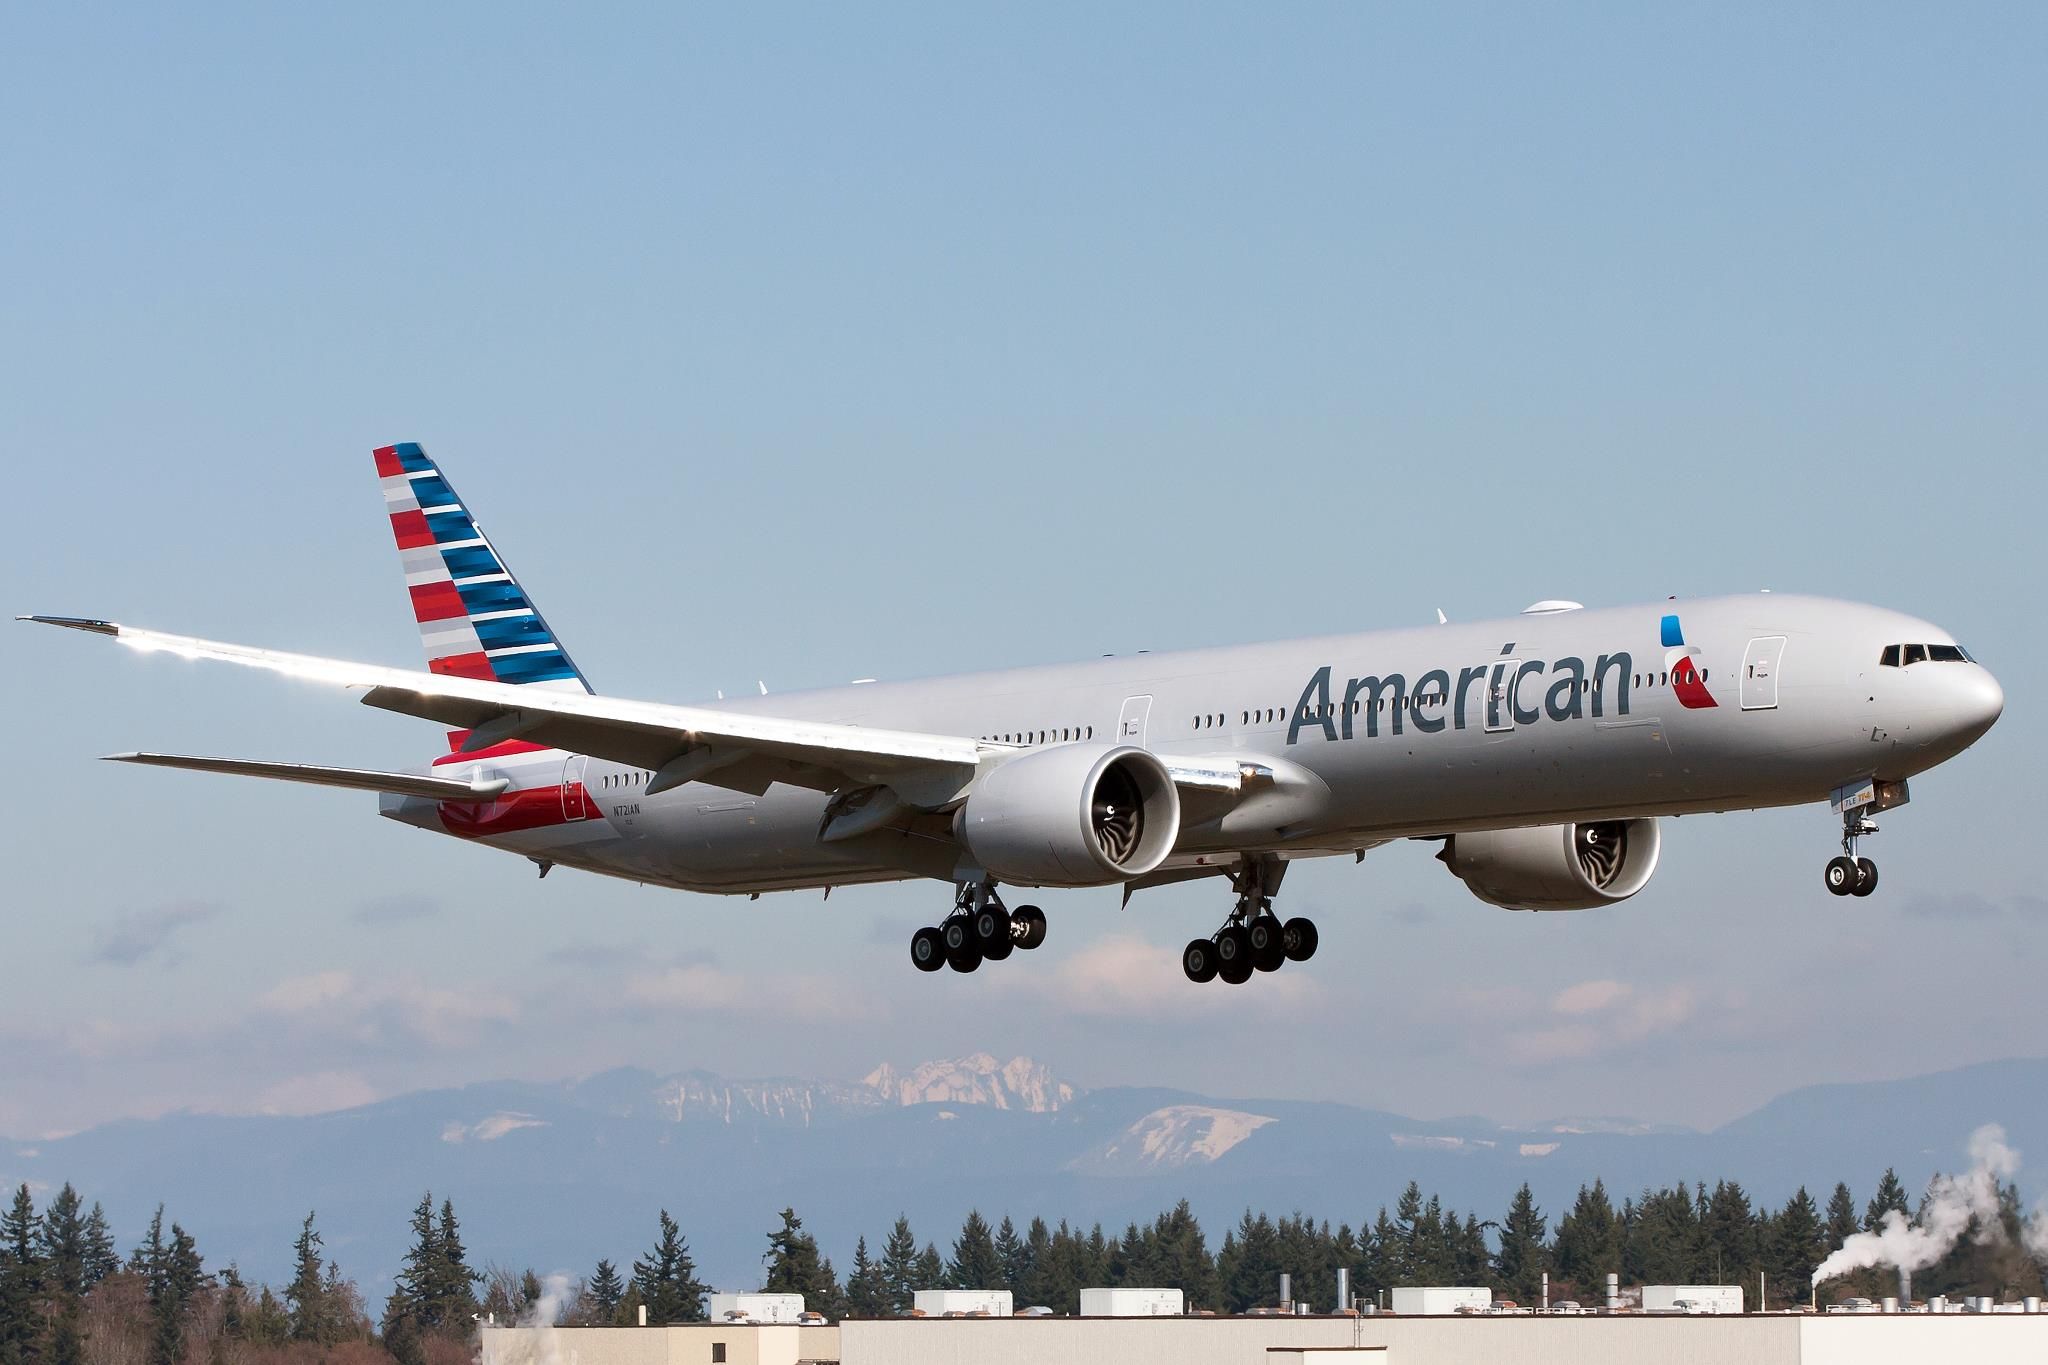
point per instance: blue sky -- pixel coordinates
(811, 343)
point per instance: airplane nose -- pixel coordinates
(1975, 701)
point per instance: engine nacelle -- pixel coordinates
(1072, 815)
(1556, 867)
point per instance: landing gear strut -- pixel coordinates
(1253, 939)
(980, 929)
(1850, 875)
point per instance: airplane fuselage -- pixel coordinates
(1557, 716)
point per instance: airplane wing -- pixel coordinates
(357, 779)
(677, 744)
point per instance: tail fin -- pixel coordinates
(475, 619)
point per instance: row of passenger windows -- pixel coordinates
(1273, 715)
(626, 779)
(1899, 656)
(1065, 734)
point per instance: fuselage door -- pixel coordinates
(1130, 725)
(575, 801)
(1499, 709)
(1760, 672)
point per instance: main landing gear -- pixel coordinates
(979, 930)
(1253, 938)
(1850, 875)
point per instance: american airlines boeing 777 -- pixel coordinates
(1540, 751)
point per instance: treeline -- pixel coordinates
(68, 1297)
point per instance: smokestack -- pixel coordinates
(1286, 1289)
(1905, 1287)
(1546, 1291)
(643, 1315)
(1613, 1293)
(1343, 1290)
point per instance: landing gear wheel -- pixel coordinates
(966, 959)
(1198, 960)
(1234, 955)
(1269, 950)
(1866, 878)
(928, 950)
(1298, 936)
(1033, 920)
(992, 934)
(1841, 876)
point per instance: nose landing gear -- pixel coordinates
(1253, 939)
(980, 929)
(1850, 875)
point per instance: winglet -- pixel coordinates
(75, 623)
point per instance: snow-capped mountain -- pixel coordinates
(1019, 1083)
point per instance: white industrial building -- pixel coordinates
(1385, 1339)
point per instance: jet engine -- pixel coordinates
(1555, 867)
(1072, 815)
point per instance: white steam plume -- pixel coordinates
(543, 1347)
(1952, 1201)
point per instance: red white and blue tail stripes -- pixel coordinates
(475, 620)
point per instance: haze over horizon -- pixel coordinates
(805, 346)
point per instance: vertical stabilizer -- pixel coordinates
(475, 620)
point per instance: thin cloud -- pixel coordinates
(1125, 977)
(395, 910)
(142, 935)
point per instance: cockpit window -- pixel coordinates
(1896, 656)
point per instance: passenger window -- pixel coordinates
(1916, 654)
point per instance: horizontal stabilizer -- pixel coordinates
(358, 779)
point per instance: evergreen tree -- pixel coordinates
(629, 1307)
(974, 1264)
(1180, 1257)
(1036, 1265)
(667, 1279)
(101, 1260)
(62, 1243)
(1890, 1197)
(606, 1289)
(310, 1320)
(1797, 1243)
(867, 1285)
(268, 1323)
(21, 1280)
(1523, 1254)
(412, 1288)
(930, 1271)
(1009, 1256)
(899, 1266)
(1062, 1270)
(1729, 1236)
(1588, 1240)
(1842, 1224)
(1248, 1265)
(1663, 1245)
(452, 1284)
(795, 1267)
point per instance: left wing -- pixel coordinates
(677, 744)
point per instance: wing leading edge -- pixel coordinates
(355, 779)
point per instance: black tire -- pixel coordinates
(997, 951)
(1198, 960)
(965, 959)
(927, 950)
(1234, 955)
(1840, 876)
(1033, 920)
(1299, 937)
(992, 928)
(958, 934)
(1269, 945)
(1866, 878)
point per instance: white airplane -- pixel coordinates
(1539, 749)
